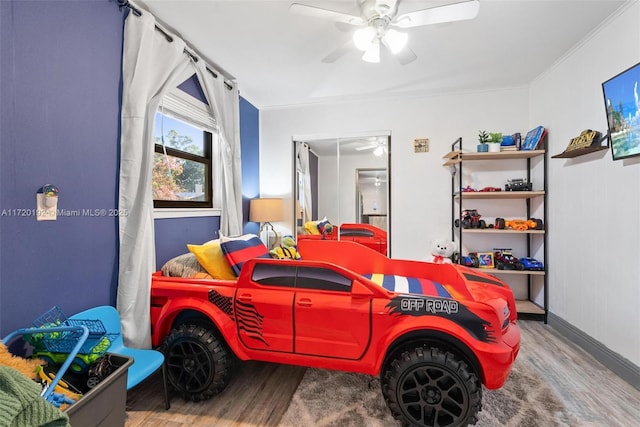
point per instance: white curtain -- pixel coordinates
(303, 166)
(151, 66)
(226, 109)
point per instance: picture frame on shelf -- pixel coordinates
(485, 260)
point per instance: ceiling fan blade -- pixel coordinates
(366, 147)
(318, 12)
(436, 15)
(339, 52)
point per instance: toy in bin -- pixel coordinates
(54, 348)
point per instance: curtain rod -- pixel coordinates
(169, 37)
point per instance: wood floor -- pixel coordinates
(259, 393)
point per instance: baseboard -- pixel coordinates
(622, 367)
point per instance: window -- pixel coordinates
(274, 275)
(322, 279)
(184, 165)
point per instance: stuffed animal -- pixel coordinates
(33, 370)
(325, 227)
(286, 250)
(442, 250)
(29, 367)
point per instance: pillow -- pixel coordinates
(185, 265)
(210, 256)
(240, 249)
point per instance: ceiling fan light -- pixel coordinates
(373, 53)
(363, 38)
(395, 40)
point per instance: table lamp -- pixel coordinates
(265, 210)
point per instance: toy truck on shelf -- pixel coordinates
(519, 224)
(470, 218)
(433, 333)
(518, 184)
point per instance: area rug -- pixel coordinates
(338, 399)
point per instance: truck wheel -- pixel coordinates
(198, 362)
(430, 387)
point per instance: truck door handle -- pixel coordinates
(245, 297)
(305, 302)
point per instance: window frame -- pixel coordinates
(183, 107)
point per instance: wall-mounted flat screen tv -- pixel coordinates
(622, 101)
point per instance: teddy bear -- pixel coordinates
(286, 250)
(442, 250)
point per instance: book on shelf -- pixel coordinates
(534, 138)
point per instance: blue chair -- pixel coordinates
(145, 362)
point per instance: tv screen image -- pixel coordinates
(622, 101)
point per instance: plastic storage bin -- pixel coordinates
(105, 404)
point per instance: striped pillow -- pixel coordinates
(240, 249)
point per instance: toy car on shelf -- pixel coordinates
(488, 189)
(470, 260)
(468, 189)
(518, 184)
(470, 218)
(504, 260)
(519, 224)
(531, 264)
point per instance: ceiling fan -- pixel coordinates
(378, 21)
(377, 144)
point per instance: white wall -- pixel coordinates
(420, 185)
(594, 202)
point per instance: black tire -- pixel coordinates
(430, 387)
(539, 224)
(198, 362)
(500, 223)
(93, 381)
(519, 266)
(500, 265)
(482, 224)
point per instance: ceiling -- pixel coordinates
(275, 55)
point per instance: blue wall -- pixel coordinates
(249, 131)
(60, 84)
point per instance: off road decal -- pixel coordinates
(250, 321)
(222, 302)
(453, 310)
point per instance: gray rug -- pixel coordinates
(327, 398)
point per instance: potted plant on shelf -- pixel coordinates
(483, 139)
(495, 139)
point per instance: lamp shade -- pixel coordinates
(265, 210)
